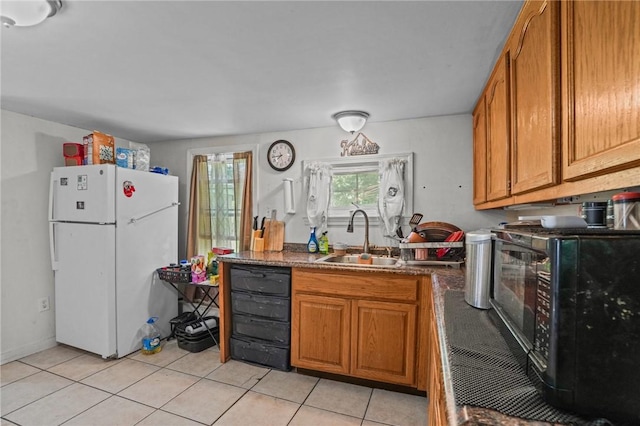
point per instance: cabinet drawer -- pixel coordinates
(274, 308)
(273, 281)
(264, 329)
(260, 352)
(357, 284)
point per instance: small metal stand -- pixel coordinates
(207, 288)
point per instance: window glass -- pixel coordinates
(359, 188)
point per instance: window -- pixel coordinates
(355, 184)
(220, 198)
(349, 188)
(222, 201)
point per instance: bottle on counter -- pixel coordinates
(323, 243)
(312, 245)
(610, 215)
(150, 337)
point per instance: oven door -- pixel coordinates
(518, 261)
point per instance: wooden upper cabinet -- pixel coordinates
(600, 87)
(535, 146)
(497, 104)
(480, 153)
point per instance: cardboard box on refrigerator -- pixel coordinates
(99, 148)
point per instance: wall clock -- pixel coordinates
(281, 155)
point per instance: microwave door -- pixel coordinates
(515, 288)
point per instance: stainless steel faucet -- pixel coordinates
(365, 246)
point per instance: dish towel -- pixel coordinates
(318, 187)
(391, 195)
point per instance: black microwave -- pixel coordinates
(570, 300)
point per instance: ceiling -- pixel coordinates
(165, 70)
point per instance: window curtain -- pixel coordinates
(199, 219)
(318, 176)
(242, 178)
(391, 194)
(199, 236)
(220, 204)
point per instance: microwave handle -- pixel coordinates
(517, 244)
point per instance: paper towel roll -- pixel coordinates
(289, 205)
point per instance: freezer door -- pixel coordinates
(146, 239)
(85, 306)
(83, 194)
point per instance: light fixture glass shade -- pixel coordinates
(26, 13)
(351, 121)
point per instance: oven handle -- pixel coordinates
(518, 244)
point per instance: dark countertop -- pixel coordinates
(466, 414)
(462, 415)
(298, 259)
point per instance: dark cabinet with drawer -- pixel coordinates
(261, 315)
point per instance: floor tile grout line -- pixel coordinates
(24, 377)
(246, 391)
(42, 397)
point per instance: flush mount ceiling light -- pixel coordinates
(27, 13)
(351, 121)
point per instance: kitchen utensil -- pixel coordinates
(415, 219)
(415, 237)
(436, 231)
(255, 223)
(453, 237)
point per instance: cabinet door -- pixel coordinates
(600, 87)
(479, 153)
(384, 341)
(497, 99)
(320, 332)
(534, 97)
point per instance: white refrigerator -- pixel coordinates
(110, 229)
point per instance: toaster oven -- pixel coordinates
(570, 300)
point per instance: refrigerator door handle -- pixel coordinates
(52, 246)
(135, 219)
(51, 186)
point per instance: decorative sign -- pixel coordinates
(361, 145)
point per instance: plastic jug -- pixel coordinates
(151, 337)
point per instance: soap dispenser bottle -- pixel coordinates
(323, 243)
(312, 245)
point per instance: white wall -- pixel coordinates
(443, 175)
(29, 149)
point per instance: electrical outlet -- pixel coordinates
(43, 304)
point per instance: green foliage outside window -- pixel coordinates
(354, 188)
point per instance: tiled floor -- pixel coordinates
(175, 387)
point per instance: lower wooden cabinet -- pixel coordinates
(363, 325)
(383, 340)
(321, 333)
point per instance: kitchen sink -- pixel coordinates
(352, 260)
